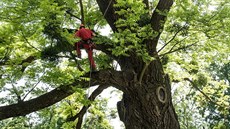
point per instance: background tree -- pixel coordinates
(38, 64)
(205, 26)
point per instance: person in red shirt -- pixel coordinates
(86, 42)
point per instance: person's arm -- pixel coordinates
(77, 34)
(93, 33)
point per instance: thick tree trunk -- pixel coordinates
(147, 101)
(149, 105)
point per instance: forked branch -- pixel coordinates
(174, 36)
(43, 101)
(178, 49)
(206, 96)
(82, 112)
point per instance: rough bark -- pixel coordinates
(26, 107)
(147, 101)
(149, 105)
(104, 77)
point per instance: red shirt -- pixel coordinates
(84, 34)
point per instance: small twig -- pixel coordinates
(177, 43)
(32, 88)
(170, 39)
(171, 51)
(196, 87)
(17, 94)
(72, 15)
(29, 42)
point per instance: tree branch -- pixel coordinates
(206, 96)
(82, 12)
(26, 40)
(177, 43)
(114, 78)
(92, 97)
(27, 60)
(104, 44)
(32, 88)
(72, 15)
(170, 40)
(36, 104)
(171, 51)
(158, 20)
(104, 77)
(159, 15)
(43, 101)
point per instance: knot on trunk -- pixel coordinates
(161, 94)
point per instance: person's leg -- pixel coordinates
(91, 60)
(89, 50)
(78, 47)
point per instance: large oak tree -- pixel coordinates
(39, 40)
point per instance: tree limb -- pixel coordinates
(159, 15)
(27, 60)
(206, 96)
(72, 15)
(111, 77)
(36, 104)
(104, 77)
(158, 20)
(43, 101)
(82, 12)
(104, 44)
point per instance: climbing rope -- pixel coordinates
(90, 48)
(105, 11)
(88, 92)
(107, 7)
(90, 74)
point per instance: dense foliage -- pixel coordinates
(37, 56)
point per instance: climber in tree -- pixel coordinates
(86, 43)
